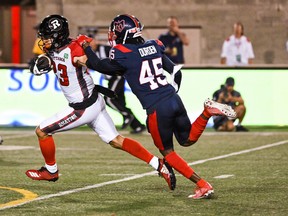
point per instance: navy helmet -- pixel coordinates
(124, 27)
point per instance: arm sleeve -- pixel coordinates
(104, 66)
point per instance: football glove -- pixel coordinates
(42, 64)
(176, 77)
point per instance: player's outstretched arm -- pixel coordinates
(105, 66)
(92, 59)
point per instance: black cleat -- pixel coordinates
(166, 171)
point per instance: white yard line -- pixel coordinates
(224, 176)
(240, 152)
(144, 174)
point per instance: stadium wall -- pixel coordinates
(265, 22)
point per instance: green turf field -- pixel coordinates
(248, 172)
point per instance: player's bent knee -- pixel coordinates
(40, 133)
(166, 151)
(188, 143)
(117, 142)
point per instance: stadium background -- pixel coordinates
(206, 22)
(243, 167)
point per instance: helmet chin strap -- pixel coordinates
(112, 41)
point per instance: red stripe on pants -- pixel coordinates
(153, 128)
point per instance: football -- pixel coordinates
(44, 63)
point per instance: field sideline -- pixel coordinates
(247, 170)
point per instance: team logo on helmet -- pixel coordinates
(55, 24)
(119, 25)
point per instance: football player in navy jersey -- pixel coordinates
(117, 84)
(86, 105)
(142, 63)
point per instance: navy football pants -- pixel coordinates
(169, 117)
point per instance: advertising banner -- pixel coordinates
(26, 99)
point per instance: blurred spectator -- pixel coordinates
(116, 84)
(174, 40)
(237, 49)
(227, 95)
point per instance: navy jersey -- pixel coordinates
(144, 71)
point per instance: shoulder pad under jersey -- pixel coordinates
(122, 48)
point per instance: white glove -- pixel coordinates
(173, 83)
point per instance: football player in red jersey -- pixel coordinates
(86, 105)
(141, 63)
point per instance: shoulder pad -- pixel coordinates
(159, 42)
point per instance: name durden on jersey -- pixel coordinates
(145, 51)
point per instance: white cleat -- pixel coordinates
(218, 109)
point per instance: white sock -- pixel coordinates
(154, 162)
(51, 169)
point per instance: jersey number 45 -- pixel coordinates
(154, 75)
